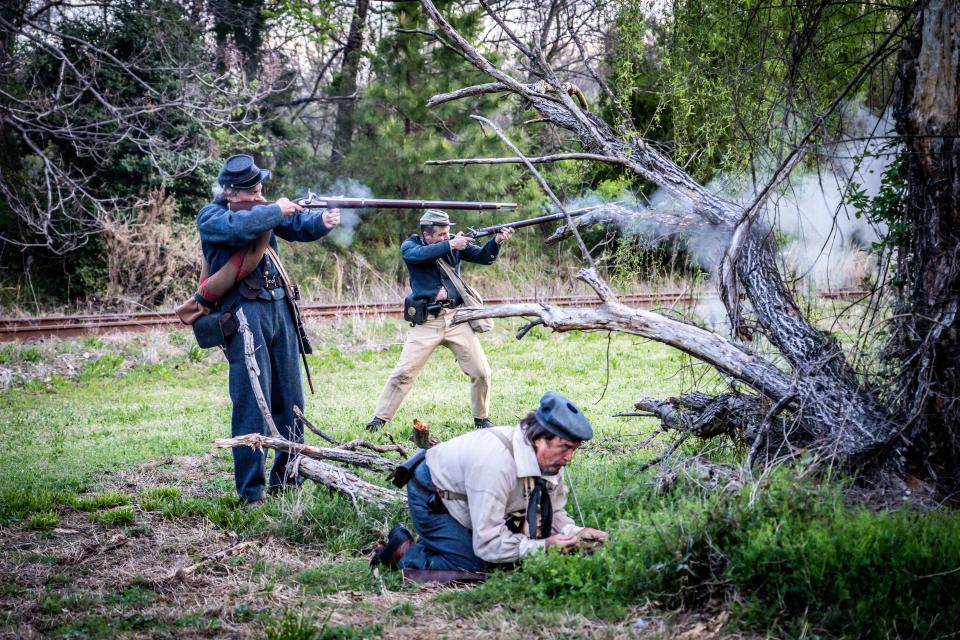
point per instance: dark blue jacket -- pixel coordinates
(222, 232)
(425, 275)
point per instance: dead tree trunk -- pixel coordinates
(832, 409)
(926, 344)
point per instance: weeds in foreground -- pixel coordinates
(296, 625)
(797, 560)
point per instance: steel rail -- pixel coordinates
(64, 326)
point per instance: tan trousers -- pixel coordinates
(421, 342)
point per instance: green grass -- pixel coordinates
(796, 561)
(298, 625)
(43, 520)
(83, 429)
(113, 517)
(100, 501)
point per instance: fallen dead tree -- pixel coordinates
(805, 397)
(344, 456)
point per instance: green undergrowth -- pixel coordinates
(796, 560)
(297, 625)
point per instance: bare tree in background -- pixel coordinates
(806, 395)
(345, 84)
(62, 120)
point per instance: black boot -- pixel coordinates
(376, 424)
(389, 554)
(482, 423)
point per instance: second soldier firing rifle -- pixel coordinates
(529, 222)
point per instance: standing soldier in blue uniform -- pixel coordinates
(431, 287)
(261, 297)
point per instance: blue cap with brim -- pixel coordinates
(241, 172)
(561, 417)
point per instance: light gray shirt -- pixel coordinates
(497, 484)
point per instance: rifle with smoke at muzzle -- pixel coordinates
(314, 201)
(529, 222)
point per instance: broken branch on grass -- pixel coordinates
(355, 458)
(345, 482)
(298, 412)
(183, 572)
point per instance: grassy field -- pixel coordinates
(110, 485)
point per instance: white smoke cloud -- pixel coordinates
(343, 187)
(822, 240)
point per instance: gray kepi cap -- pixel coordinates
(437, 217)
(561, 417)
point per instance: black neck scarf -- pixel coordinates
(540, 497)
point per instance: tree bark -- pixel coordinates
(926, 342)
(837, 413)
(346, 83)
(346, 482)
(355, 458)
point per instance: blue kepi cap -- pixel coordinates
(241, 172)
(561, 417)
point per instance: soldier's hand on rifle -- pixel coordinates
(288, 208)
(331, 218)
(460, 241)
(442, 294)
(504, 234)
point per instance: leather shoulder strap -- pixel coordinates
(454, 278)
(507, 442)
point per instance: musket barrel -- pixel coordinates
(529, 222)
(379, 203)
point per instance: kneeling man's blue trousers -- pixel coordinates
(444, 543)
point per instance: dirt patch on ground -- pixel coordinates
(86, 580)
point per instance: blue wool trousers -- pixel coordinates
(444, 543)
(278, 357)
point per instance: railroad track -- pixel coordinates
(41, 327)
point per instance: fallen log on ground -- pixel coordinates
(345, 482)
(354, 458)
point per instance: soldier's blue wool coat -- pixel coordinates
(222, 232)
(421, 259)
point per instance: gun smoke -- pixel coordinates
(822, 242)
(344, 187)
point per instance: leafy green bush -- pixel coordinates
(794, 560)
